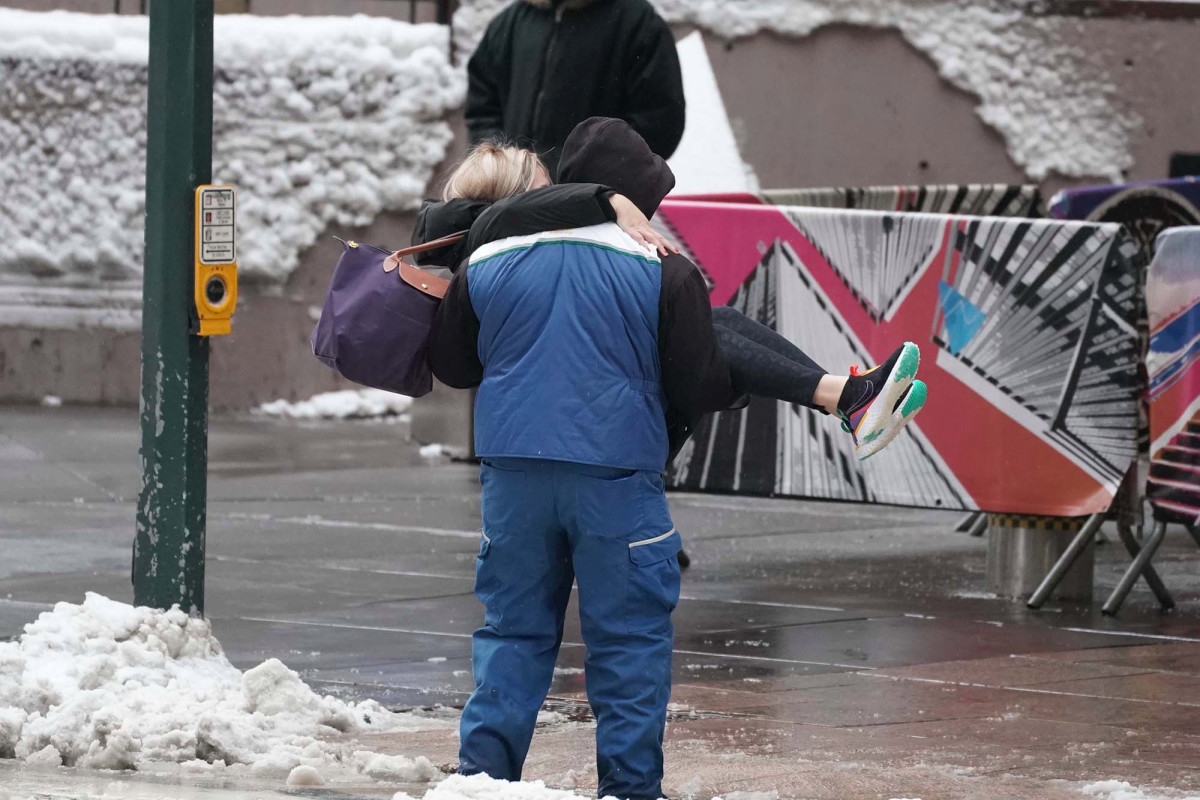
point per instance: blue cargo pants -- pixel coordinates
(547, 524)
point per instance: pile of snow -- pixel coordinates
(470, 20)
(1123, 790)
(395, 769)
(436, 450)
(319, 122)
(1039, 84)
(305, 775)
(107, 685)
(481, 787)
(348, 404)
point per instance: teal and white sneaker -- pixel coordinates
(877, 404)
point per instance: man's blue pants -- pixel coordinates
(545, 525)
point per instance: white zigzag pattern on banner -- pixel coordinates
(815, 457)
(860, 246)
(1033, 283)
(1039, 327)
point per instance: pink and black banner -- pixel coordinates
(1028, 347)
(972, 199)
(1173, 364)
(1146, 209)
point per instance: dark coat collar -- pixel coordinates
(570, 5)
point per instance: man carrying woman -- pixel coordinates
(586, 347)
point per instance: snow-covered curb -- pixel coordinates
(1038, 83)
(107, 685)
(318, 121)
(348, 404)
(481, 787)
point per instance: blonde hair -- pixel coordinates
(492, 172)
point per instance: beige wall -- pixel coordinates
(849, 106)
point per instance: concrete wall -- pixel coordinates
(266, 357)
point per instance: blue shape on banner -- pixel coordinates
(963, 318)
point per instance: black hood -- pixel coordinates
(437, 219)
(570, 5)
(607, 151)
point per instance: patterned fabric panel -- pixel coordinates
(1028, 344)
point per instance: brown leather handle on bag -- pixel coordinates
(416, 277)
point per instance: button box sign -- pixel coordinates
(216, 260)
(218, 237)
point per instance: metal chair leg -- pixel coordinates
(1150, 574)
(1072, 553)
(979, 528)
(967, 522)
(1194, 532)
(1140, 562)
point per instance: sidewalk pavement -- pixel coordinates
(823, 650)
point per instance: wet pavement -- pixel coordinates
(823, 650)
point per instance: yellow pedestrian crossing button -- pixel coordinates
(216, 258)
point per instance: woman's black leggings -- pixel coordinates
(763, 363)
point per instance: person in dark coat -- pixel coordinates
(544, 66)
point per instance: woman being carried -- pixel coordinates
(610, 175)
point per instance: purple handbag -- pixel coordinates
(374, 326)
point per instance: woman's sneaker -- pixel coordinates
(876, 405)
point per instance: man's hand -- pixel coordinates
(631, 220)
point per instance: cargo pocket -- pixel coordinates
(653, 582)
(658, 548)
(488, 583)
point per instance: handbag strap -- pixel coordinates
(416, 277)
(434, 245)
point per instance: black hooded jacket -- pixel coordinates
(543, 211)
(544, 66)
(437, 219)
(695, 375)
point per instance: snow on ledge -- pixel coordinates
(317, 121)
(1038, 83)
(347, 404)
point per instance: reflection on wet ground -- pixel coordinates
(823, 650)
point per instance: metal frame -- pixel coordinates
(970, 523)
(1069, 557)
(973, 524)
(1141, 567)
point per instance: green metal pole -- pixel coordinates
(168, 550)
